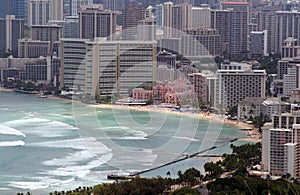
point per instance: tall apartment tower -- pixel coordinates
(182, 16)
(177, 18)
(76, 4)
(4, 8)
(201, 17)
(241, 6)
(159, 15)
(71, 27)
(110, 5)
(131, 15)
(11, 29)
(18, 8)
(167, 18)
(56, 10)
(233, 28)
(96, 22)
(38, 12)
(287, 25)
(266, 21)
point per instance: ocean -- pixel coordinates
(48, 144)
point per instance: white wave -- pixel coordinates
(81, 170)
(61, 115)
(132, 138)
(69, 160)
(115, 127)
(31, 185)
(12, 143)
(135, 135)
(10, 131)
(90, 144)
(26, 121)
(52, 129)
(186, 138)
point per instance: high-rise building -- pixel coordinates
(131, 15)
(71, 27)
(233, 28)
(176, 18)
(73, 56)
(167, 18)
(201, 42)
(146, 29)
(289, 80)
(280, 144)
(18, 8)
(4, 8)
(220, 20)
(287, 25)
(28, 48)
(38, 12)
(56, 10)
(159, 15)
(233, 86)
(290, 48)
(258, 43)
(181, 18)
(107, 68)
(266, 21)
(50, 33)
(76, 4)
(110, 4)
(241, 6)
(11, 29)
(96, 22)
(201, 17)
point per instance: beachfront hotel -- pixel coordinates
(107, 68)
(233, 86)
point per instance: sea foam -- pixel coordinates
(10, 131)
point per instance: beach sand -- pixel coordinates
(253, 135)
(252, 132)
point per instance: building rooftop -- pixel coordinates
(274, 101)
(235, 3)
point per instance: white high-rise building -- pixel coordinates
(280, 144)
(233, 86)
(290, 80)
(107, 68)
(56, 10)
(201, 17)
(38, 12)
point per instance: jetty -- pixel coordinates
(185, 157)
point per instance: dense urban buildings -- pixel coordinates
(11, 29)
(96, 22)
(38, 12)
(131, 16)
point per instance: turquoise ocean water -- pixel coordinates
(48, 145)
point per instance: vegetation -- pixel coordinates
(252, 185)
(237, 162)
(186, 191)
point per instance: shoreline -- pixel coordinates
(251, 133)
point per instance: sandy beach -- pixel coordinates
(252, 133)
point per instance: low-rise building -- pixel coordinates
(249, 108)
